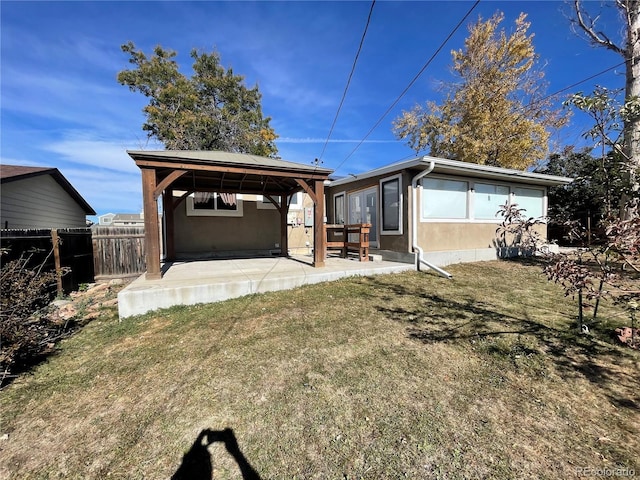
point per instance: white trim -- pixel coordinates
(192, 212)
(446, 166)
(344, 206)
(397, 231)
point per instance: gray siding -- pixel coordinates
(39, 202)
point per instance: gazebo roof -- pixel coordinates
(228, 172)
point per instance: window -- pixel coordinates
(214, 204)
(338, 208)
(444, 198)
(487, 200)
(391, 200)
(530, 199)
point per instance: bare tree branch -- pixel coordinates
(588, 26)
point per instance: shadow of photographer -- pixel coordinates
(196, 463)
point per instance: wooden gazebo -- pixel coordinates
(166, 171)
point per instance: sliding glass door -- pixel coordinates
(363, 208)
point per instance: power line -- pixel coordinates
(577, 83)
(346, 88)
(424, 67)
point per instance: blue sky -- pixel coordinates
(61, 105)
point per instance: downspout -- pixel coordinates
(414, 222)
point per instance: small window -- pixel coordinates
(530, 199)
(444, 199)
(214, 204)
(391, 200)
(338, 209)
(487, 200)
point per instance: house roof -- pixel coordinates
(227, 172)
(464, 169)
(128, 217)
(12, 173)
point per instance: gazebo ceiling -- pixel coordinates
(228, 172)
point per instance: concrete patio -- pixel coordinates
(192, 282)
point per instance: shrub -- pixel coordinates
(25, 332)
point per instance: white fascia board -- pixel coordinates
(445, 166)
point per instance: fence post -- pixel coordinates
(55, 241)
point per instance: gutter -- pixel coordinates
(414, 221)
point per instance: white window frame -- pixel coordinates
(513, 199)
(471, 190)
(472, 204)
(209, 212)
(342, 194)
(465, 219)
(382, 181)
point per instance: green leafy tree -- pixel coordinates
(595, 193)
(496, 112)
(212, 110)
(607, 134)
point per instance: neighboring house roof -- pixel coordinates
(225, 158)
(453, 167)
(12, 173)
(128, 217)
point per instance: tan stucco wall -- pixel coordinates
(437, 237)
(395, 242)
(300, 237)
(256, 229)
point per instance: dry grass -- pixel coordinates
(399, 376)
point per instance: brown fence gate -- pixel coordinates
(53, 249)
(118, 252)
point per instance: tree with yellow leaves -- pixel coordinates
(497, 113)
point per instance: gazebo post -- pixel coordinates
(284, 237)
(319, 235)
(151, 224)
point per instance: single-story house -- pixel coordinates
(40, 197)
(218, 204)
(436, 210)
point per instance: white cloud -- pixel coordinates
(83, 148)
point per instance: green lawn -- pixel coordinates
(395, 376)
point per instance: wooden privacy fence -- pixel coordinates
(56, 249)
(118, 252)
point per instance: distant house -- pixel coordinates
(121, 220)
(40, 197)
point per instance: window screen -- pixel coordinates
(444, 198)
(391, 205)
(487, 200)
(529, 199)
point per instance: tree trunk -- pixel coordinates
(631, 146)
